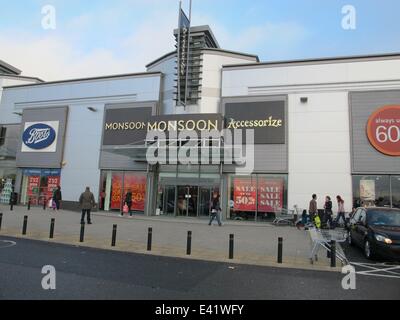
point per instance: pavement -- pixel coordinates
(95, 274)
(255, 243)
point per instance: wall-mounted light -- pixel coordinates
(92, 109)
(304, 99)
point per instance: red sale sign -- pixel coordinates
(116, 194)
(52, 184)
(245, 194)
(33, 189)
(270, 195)
(383, 130)
(137, 185)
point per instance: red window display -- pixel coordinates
(270, 195)
(33, 189)
(245, 194)
(116, 193)
(52, 184)
(137, 185)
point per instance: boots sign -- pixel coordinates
(40, 136)
(383, 130)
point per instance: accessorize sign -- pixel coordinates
(383, 130)
(266, 118)
(40, 136)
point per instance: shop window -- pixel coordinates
(371, 191)
(395, 187)
(257, 197)
(3, 131)
(115, 187)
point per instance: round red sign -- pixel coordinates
(383, 130)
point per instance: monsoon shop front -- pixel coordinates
(185, 181)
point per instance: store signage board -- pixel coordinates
(267, 118)
(40, 136)
(383, 130)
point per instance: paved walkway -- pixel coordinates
(254, 243)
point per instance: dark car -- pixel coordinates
(377, 232)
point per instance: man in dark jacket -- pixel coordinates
(57, 197)
(87, 203)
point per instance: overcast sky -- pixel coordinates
(101, 37)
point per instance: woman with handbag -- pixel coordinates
(128, 204)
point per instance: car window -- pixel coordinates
(384, 218)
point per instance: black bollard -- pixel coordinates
(25, 225)
(333, 254)
(11, 205)
(149, 239)
(82, 234)
(189, 243)
(280, 250)
(114, 235)
(44, 204)
(51, 236)
(29, 204)
(231, 245)
(1, 219)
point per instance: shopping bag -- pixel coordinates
(125, 209)
(50, 204)
(54, 205)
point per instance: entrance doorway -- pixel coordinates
(185, 201)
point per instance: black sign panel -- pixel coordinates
(267, 118)
(126, 126)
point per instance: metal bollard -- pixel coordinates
(280, 250)
(333, 254)
(29, 204)
(11, 205)
(189, 243)
(82, 234)
(44, 204)
(149, 239)
(1, 219)
(114, 236)
(231, 245)
(51, 236)
(25, 225)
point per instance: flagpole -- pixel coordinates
(188, 54)
(179, 55)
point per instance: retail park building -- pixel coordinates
(339, 133)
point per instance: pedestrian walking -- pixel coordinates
(128, 202)
(341, 211)
(57, 197)
(215, 210)
(328, 212)
(313, 209)
(87, 203)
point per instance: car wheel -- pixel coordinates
(369, 254)
(350, 239)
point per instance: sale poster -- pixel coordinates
(52, 184)
(137, 185)
(244, 194)
(33, 189)
(116, 191)
(367, 190)
(270, 195)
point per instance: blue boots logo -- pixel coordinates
(39, 136)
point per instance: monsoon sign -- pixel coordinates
(383, 130)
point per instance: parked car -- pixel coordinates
(376, 231)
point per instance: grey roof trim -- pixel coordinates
(377, 57)
(10, 67)
(127, 75)
(13, 76)
(232, 53)
(165, 56)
